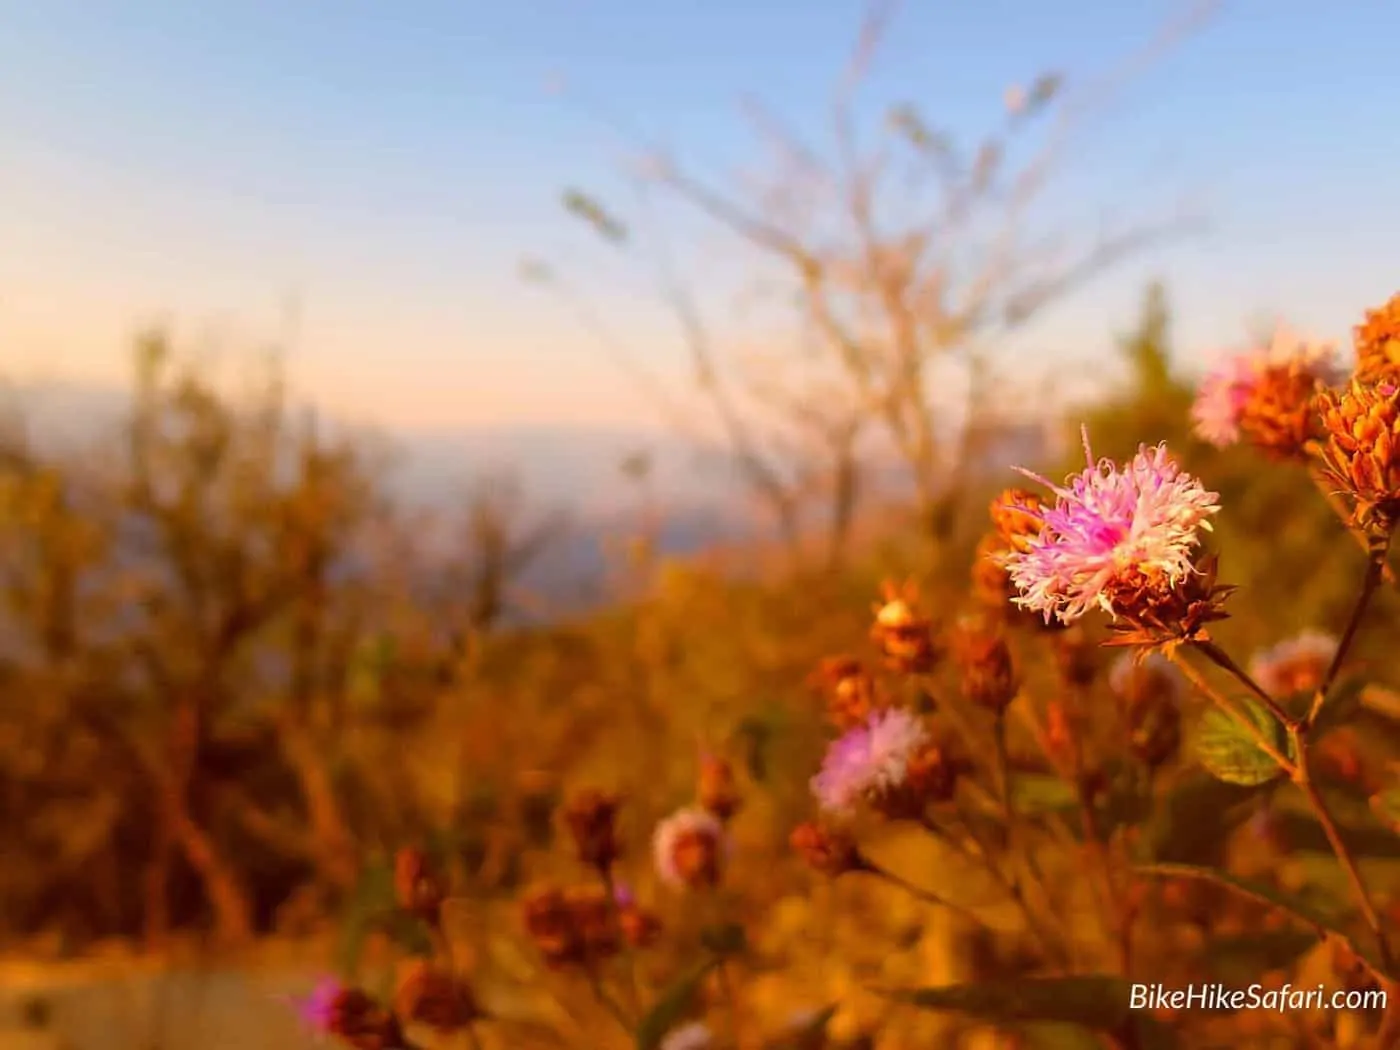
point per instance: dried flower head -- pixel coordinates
(1150, 689)
(717, 790)
(902, 632)
(419, 887)
(1122, 539)
(350, 1014)
(1360, 452)
(690, 849)
(592, 917)
(432, 995)
(692, 1036)
(549, 922)
(931, 777)
(1266, 395)
(830, 851)
(1016, 517)
(851, 693)
(988, 676)
(870, 760)
(1297, 665)
(1377, 341)
(640, 927)
(591, 817)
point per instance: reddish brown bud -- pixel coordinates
(433, 996)
(640, 927)
(984, 661)
(827, 850)
(716, 790)
(591, 817)
(851, 693)
(362, 1022)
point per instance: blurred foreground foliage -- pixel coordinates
(237, 680)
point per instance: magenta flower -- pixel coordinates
(1225, 392)
(1108, 521)
(869, 760)
(317, 1009)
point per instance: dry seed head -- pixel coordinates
(851, 693)
(1360, 451)
(1280, 415)
(1377, 341)
(930, 778)
(1155, 611)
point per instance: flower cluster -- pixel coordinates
(1266, 395)
(1360, 451)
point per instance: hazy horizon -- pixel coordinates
(364, 186)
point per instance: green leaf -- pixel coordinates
(668, 1010)
(1036, 794)
(1098, 1002)
(1232, 753)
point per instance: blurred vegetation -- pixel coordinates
(236, 682)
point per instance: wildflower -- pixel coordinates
(932, 777)
(549, 922)
(1123, 539)
(851, 693)
(693, 1036)
(1016, 517)
(418, 887)
(1377, 341)
(984, 660)
(591, 817)
(591, 915)
(870, 760)
(1360, 452)
(690, 848)
(830, 851)
(334, 1009)
(903, 633)
(1297, 665)
(717, 791)
(431, 995)
(1266, 395)
(1151, 690)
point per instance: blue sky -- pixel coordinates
(385, 165)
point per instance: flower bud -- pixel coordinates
(1360, 453)
(433, 996)
(362, 1022)
(549, 922)
(851, 693)
(641, 928)
(1377, 341)
(902, 633)
(690, 849)
(591, 817)
(984, 660)
(717, 791)
(826, 850)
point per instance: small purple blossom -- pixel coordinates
(1106, 521)
(623, 896)
(869, 759)
(317, 1009)
(1225, 391)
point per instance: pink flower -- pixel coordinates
(1108, 521)
(690, 848)
(317, 1009)
(1225, 392)
(869, 760)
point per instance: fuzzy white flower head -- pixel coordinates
(693, 1036)
(674, 842)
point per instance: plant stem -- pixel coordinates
(1226, 662)
(1303, 778)
(606, 1001)
(1210, 693)
(727, 986)
(927, 896)
(1387, 574)
(629, 958)
(1374, 569)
